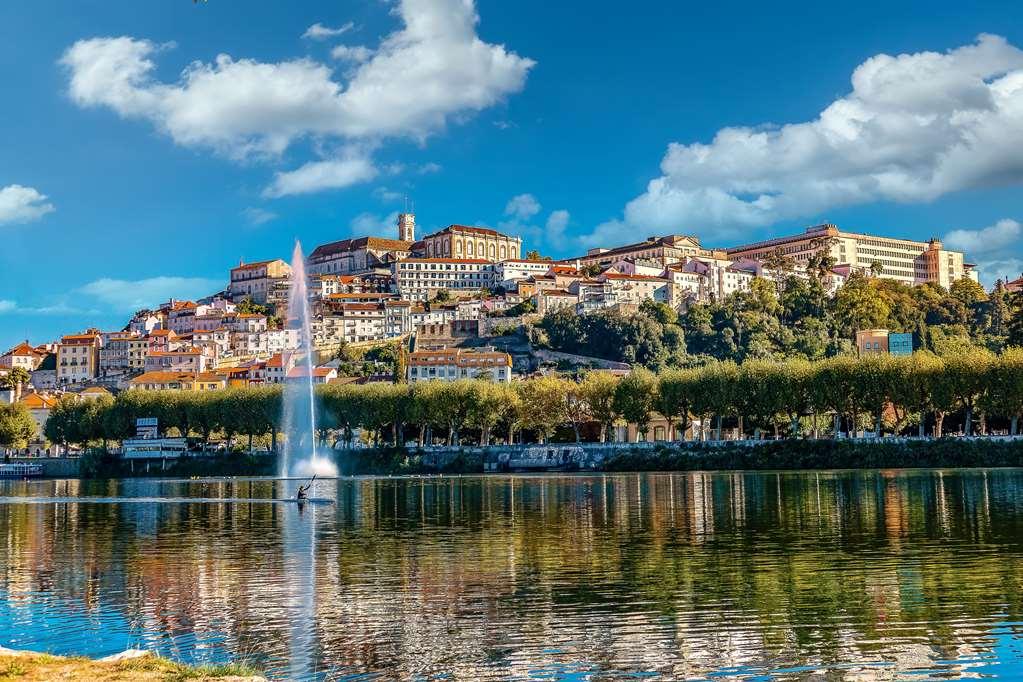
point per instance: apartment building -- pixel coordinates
(660, 250)
(451, 364)
(254, 281)
(905, 260)
(637, 288)
(122, 353)
(357, 322)
(78, 357)
(177, 381)
(191, 360)
(509, 272)
(419, 279)
(464, 241)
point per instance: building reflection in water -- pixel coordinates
(854, 574)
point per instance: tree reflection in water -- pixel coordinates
(853, 573)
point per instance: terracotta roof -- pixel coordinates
(469, 229)
(96, 390)
(556, 292)
(76, 338)
(325, 250)
(360, 306)
(299, 371)
(257, 264)
(276, 361)
(22, 349)
(37, 401)
(162, 332)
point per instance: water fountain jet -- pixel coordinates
(300, 456)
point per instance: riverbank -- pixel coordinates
(821, 454)
(29, 666)
(791, 454)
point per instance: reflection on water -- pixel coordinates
(841, 575)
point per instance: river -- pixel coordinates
(856, 575)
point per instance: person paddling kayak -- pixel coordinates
(301, 494)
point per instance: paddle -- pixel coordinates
(307, 485)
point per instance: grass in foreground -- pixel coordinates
(29, 667)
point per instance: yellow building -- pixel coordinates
(178, 381)
(463, 241)
(672, 248)
(78, 357)
(255, 280)
(905, 260)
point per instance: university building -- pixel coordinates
(905, 260)
(463, 241)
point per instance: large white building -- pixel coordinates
(905, 260)
(419, 279)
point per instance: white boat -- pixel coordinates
(20, 470)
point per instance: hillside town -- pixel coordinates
(446, 306)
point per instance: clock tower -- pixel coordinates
(407, 227)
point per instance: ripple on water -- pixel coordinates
(833, 575)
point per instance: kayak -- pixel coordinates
(310, 500)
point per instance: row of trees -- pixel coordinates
(793, 398)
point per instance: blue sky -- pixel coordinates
(145, 148)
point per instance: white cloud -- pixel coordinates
(914, 127)
(387, 195)
(320, 32)
(60, 307)
(19, 204)
(258, 216)
(557, 221)
(433, 68)
(429, 168)
(356, 54)
(373, 224)
(523, 210)
(317, 176)
(122, 295)
(522, 206)
(995, 249)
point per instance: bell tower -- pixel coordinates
(407, 227)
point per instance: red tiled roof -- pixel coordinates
(469, 229)
(22, 349)
(325, 250)
(257, 264)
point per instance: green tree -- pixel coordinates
(598, 389)
(634, 398)
(543, 405)
(673, 398)
(17, 427)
